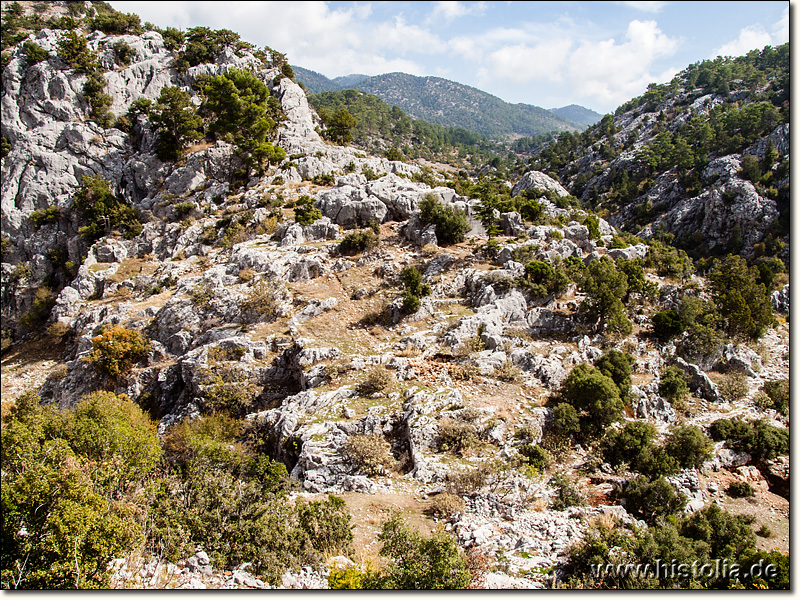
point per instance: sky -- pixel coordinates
(549, 54)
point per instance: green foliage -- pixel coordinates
(304, 211)
(117, 23)
(605, 286)
(617, 365)
(594, 395)
(378, 380)
(535, 456)
(689, 446)
(778, 393)
(74, 50)
(240, 110)
(650, 500)
(667, 324)
(5, 147)
(327, 524)
(733, 386)
(176, 122)
(173, 38)
(116, 349)
(546, 280)
(418, 562)
(565, 419)
(61, 525)
(322, 179)
(260, 302)
(412, 281)
(761, 440)
(740, 489)
(451, 223)
(369, 452)
(673, 385)
(338, 126)
(411, 303)
(457, 437)
(751, 170)
(743, 302)
(103, 210)
(358, 241)
(203, 45)
(34, 53)
(566, 493)
(51, 214)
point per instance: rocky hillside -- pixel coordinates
(704, 158)
(451, 104)
(239, 356)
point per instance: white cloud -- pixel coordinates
(755, 37)
(522, 63)
(609, 72)
(448, 11)
(653, 6)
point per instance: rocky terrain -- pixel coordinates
(315, 341)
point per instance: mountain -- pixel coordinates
(448, 103)
(704, 158)
(578, 114)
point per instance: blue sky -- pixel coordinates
(549, 54)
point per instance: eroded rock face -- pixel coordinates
(537, 179)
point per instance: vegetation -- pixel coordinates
(358, 241)
(176, 121)
(594, 396)
(103, 210)
(370, 453)
(451, 223)
(115, 350)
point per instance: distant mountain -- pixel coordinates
(578, 114)
(448, 103)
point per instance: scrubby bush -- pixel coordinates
(778, 393)
(544, 279)
(370, 453)
(617, 365)
(605, 286)
(304, 211)
(358, 241)
(649, 500)
(565, 419)
(74, 50)
(733, 386)
(689, 446)
(451, 223)
(594, 395)
(535, 456)
(667, 324)
(411, 303)
(672, 385)
(103, 210)
(176, 122)
(740, 489)
(418, 562)
(116, 349)
(445, 505)
(457, 437)
(378, 379)
(34, 53)
(44, 216)
(327, 524)
(117, 23)
(743, 303)
(260, 302)
(566, 493)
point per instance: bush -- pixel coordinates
(667, 324)
(740, 489)
(378, 379)
(323, 179)
(445, 505)
(595, 395)
(451, 223)
(743, 302)
(116, 349)
(370, 453)
(74, 50)
(565, 419)
(733, 386)
(535, 456)
(412, 281)
(689, 446)
(418, 562)
(566, 493)
(176, 122)
(358, 241)
(457, 437)
(103, 210)
(629, 444)
(304, 211)
(34, 53)
(605, 286)
(260, 303)
(649, 500)
(117, 23)
(617, 366)
(327, 524)
(672, 384)
(411, 303)
(778, 394)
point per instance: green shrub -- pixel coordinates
(123, 53)
(358, 241)
(689, 446)
(51, 214)
(176, 122)
(672, 384)
(605, 286)
(667, 324)
(743, 302)
(565, 419)
(323, 179)
(411, 303)
(457, 437)
(740, 489)
(617, 365)
(260, 302)
(566, 493)
(649, 500)
(451, 223)
(370, 453)
(412, 281)
(535, 456)
(116, 349)
(327, 524)
(418, 562)
(5, 147)
(34, 53)
(103, 210)
(117, 23)
(628, 444)
(74, 50)
(595, 395)
(304, 211)
(778, 393)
